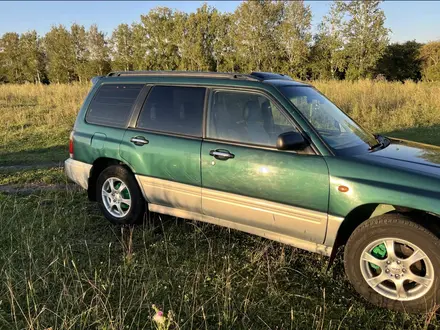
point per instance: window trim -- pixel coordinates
(125, 125)
(150, 131)
(143, 95)
(267, 95)
(136, 114)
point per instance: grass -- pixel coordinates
(34, 176)
(37, 119)
(430, 135)
(386, 106)
(64, 267)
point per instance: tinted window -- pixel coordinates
(247, 118)
(112, 104)
(174, 109)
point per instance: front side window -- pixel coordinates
(174, 109)
(340, 132)
(245, 117)
(112, 104)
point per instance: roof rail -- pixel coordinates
(270, 75)
(196, 74)
(95, 79)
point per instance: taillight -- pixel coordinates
(71, 145)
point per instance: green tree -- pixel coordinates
(430, 56)
(294, 37)
(81, 51)
(3, 73)
(198, 37)
(140, 49)
(98, 52)
(401, 61)
(122, 48)
(32, 57)
(255, 25)
(161, 39)
(60, 50)
(365, 35)
(327, 58)
(224, 52)
(11, 57)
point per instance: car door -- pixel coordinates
(247, 181)
(163, 148)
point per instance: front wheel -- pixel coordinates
(393, 262)
(119, 196)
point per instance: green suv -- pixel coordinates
(270, 156)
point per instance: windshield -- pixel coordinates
(340, 132)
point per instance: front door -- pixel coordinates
(163, 148)
(246, 180)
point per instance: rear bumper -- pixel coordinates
(78, 172)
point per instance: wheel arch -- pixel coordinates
(364, 212)
(97, 167)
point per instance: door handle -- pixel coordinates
(139, 140)
(221, 154)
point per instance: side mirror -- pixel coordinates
(290, 141)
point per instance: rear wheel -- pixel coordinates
(393, 262)
(119, 196)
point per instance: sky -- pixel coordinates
(408, 20)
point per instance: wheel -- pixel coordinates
(119, 196)
(393, 262)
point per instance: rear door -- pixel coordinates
(100, 132)
(163, 147)
(247, 181)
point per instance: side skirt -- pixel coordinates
(295, 242)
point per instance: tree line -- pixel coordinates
(351, 42)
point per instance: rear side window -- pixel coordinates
(112, 104)
(174, 109)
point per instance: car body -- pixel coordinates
(312, 196)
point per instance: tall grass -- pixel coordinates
(64, 267)
(37, 118)
(40, 105)
(377, 105)
(386, 106)
(39, 115)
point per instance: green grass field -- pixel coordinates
(64, 267)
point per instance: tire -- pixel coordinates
(374, 238)
(132, 205)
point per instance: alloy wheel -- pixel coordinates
(397, 269)
(116, 197)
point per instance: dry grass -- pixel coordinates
(63, 267)
(386, 106)
(37, 119)
(41, 117)
(51, 105)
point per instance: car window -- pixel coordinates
(112, 104)
(338, 130)
(246, 118)
(174, 109)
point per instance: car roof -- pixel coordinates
(228, 78)
(280, 83)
